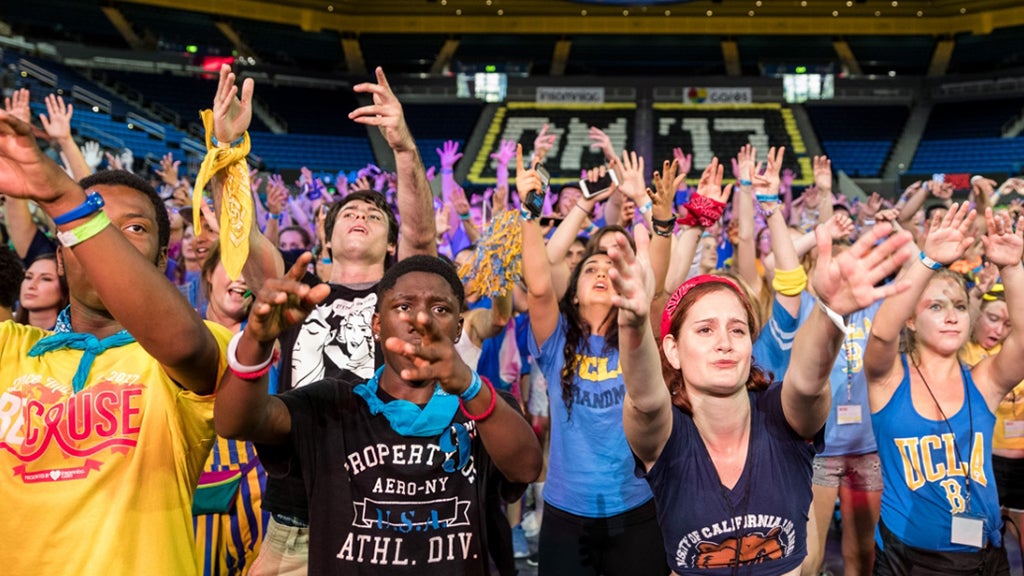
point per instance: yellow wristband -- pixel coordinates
(83, 232)
(790, 282)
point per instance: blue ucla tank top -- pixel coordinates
(925, 468)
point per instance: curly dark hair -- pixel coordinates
(577, 333)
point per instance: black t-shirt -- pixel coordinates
(334, 341)
(383, 503)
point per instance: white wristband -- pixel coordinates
(834, 317)
(238, 366)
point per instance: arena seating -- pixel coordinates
(966, 136)
(571, 153)
(858, 139)
(709, 131)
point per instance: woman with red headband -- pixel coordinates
(728, 458)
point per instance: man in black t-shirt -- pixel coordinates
(335, 340)
(404, 472)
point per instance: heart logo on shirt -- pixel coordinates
(54, 475)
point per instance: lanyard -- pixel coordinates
(970, 419)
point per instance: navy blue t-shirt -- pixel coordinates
(701, 519)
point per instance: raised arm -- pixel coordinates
(232, 114)
(243, 409)
(647, 410)
(58, 127)
(823, 182)
(844, 284)
(1004, 246)
(788, 269)
(565, 234)
(946, 242)
(541, 299)
(746, 251)
(415, 200)
(130, 285)
(704, 208)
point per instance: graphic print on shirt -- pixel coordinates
(933, 459)
(596, 369)
(765, 537)
(413, 502)
(335, 337)
(39, 416)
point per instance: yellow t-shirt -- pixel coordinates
(1012, 406)
(99, 482)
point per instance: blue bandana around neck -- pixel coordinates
(65, 337)
(407, 418)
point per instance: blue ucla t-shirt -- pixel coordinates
(849, 386)
(590, 469)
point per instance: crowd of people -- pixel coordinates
(223, 373)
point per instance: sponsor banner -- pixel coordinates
(698, 95)
(569, 95)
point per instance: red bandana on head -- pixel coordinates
(677, 296)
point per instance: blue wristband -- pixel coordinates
(474, 388)
(274, 216)
(526, 214)
(767, 197)
(93, 204)
(928, 262)
(745, 182)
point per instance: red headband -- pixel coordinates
(677, 296)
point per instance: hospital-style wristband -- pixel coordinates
(248, 372)
(83, 232)
(834, 317)
(93, 204)
(475, 385)
(928, 262)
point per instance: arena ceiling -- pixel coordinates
(567, 17)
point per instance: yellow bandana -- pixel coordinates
(236, 209)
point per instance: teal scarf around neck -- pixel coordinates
(65, 337)
(407, 418)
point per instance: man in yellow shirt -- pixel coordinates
(105, 422)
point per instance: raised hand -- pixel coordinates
(361, 183)
(168, 171)
(277, 194)
(788, 176)
(987, 277)
(231, 114)
(127, 159)
(744, 163)
(442, 221)
(849, 281)
(949, 238)
(58, 124)
(93, 154)
(543, 144)
(17, 105)
(526, 180)
(449, 154)
(600, 141)
(385, 113)
(284, 302)
(872, 206)
(766, 184)
(255, 181)
(434, 358)
(685, 160)
(499, 200)
(665, 185)
(823, 173)
(631, 177)
(633, 279)
(25, 172)
(506, 152)
(710, 185)
(459, 201)
(1003, 245)
(839, 226)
